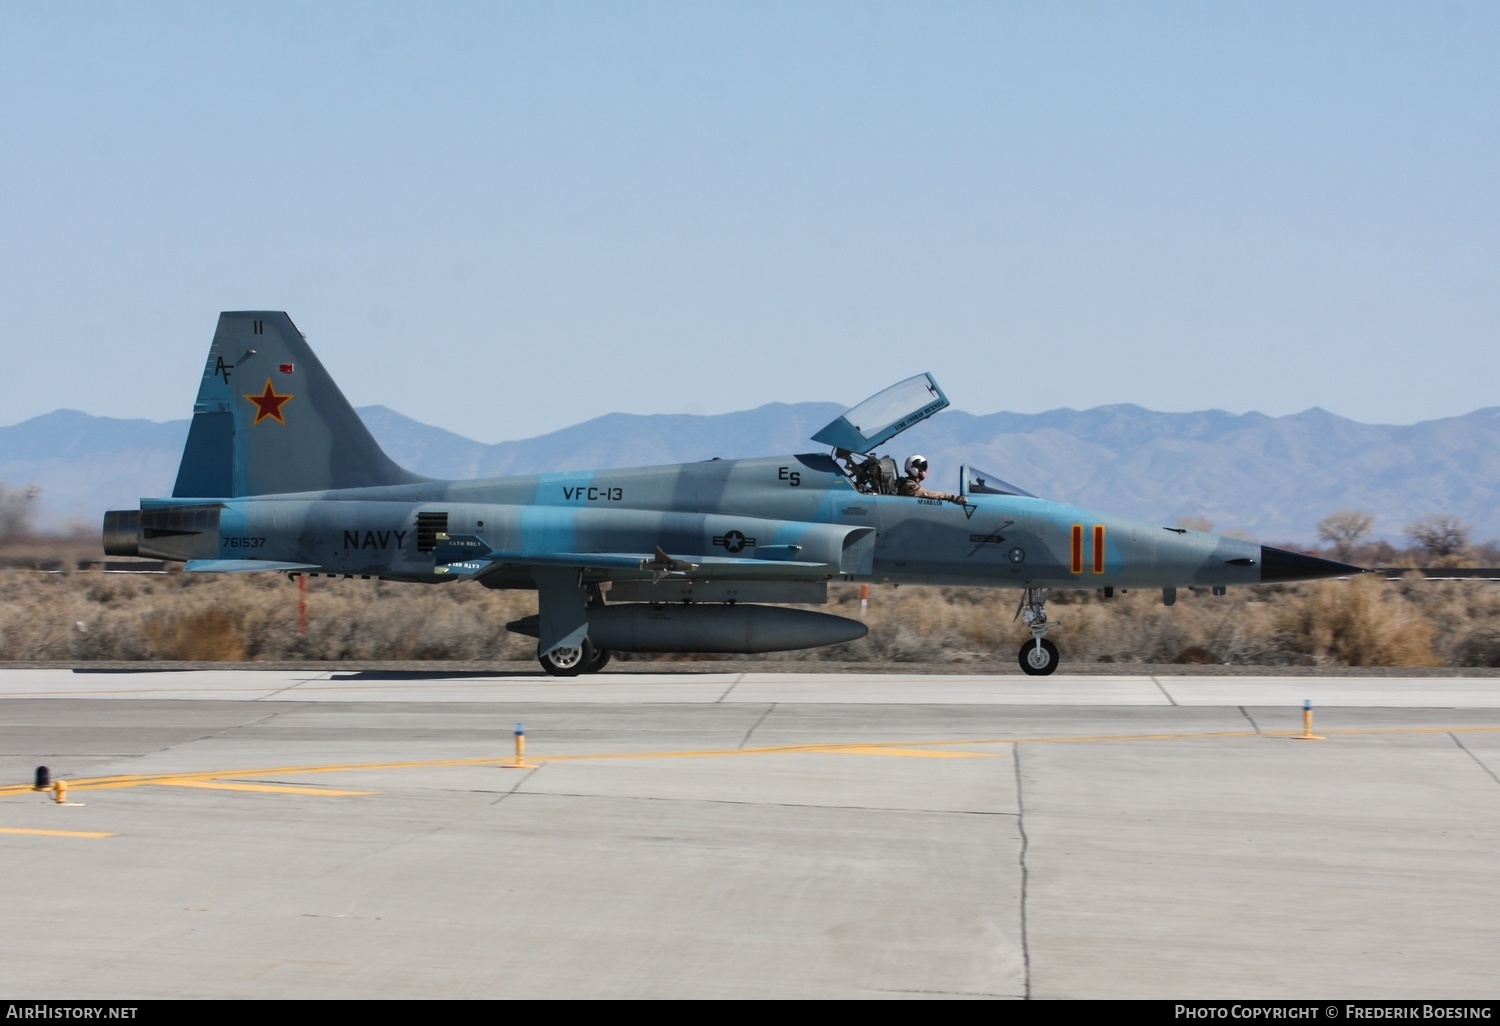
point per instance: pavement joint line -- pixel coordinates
(1163, 689)
(516, 784)
(729, 690)
(136, 780)
(267, 716)
(1477, 760)
(756, 725)
(295, 683)
(1025, 876)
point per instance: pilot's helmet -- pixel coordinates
(915, 463)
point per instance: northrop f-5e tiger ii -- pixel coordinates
(279, 474)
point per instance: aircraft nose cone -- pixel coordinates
(1281, 565)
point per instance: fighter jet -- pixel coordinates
(280, 475)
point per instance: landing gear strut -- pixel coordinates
(1038, 657)
(600, 656)
(586, 657)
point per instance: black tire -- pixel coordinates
(1038, 662)
(597, 663)
(567, 662)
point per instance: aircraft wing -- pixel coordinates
(470, 556)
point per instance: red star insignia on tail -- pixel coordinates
(268, 404)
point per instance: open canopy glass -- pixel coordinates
(885, 415)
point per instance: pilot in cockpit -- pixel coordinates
(916, 473)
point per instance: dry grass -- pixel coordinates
(100, 616)
(1366, 622)
(89, 615)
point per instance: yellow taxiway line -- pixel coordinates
(226, 785)
(54, 833)
(916, 753)
(221, 779)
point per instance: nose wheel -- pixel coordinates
(1038, 657)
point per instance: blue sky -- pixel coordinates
(506, 218)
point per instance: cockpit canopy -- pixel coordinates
(884, 415)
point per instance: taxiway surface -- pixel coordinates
(252, 833)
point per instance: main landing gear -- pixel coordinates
(586, 657)
(570, 662)
(1038, 657)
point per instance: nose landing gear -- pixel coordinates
(1038, 657)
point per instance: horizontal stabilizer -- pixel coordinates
(242, 566)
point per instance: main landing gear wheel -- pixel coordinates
(594, 665)
(1038, 657)
(568, 662)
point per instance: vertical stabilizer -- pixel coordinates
(269, 419)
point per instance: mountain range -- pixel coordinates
(1271, 478)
